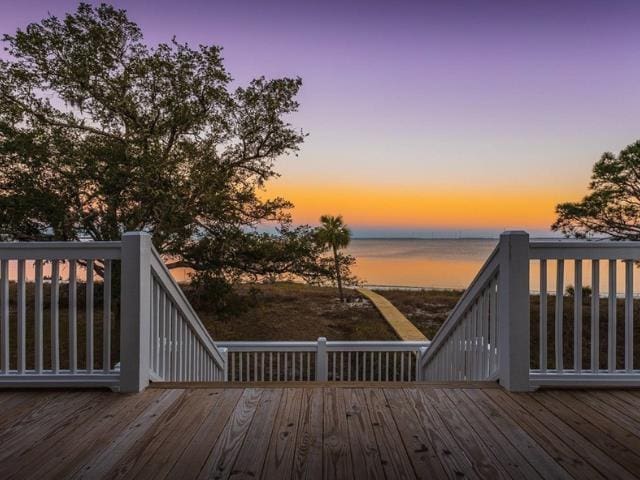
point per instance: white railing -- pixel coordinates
(324, 361)
(465, 348)
(181, 348)
(42, 344)
(33, 334)
(588, 348)
(488, 335)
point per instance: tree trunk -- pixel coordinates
(338, 277)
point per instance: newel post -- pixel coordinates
(321, 360)
(135, 301)
(513, 311)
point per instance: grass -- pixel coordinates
(291, 311)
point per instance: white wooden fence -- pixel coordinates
(324, 361)
(161, 337)
(488, 336)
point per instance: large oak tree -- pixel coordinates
(101, 134)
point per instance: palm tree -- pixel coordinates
(334, 234)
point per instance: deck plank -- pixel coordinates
(307, 462)
(193, 458)
(395, 460)
(518, 438)
(365, 455)
(547, 434)
(253, 452)
(581, 445)
(336, 461)
(422, 452)
(163, 450)
(227, 446)
(121, 444)
(345, 431)
(514, 463)
(76, 448)
(89, 446)
(279, 459)
(450, 454)
(593, 429)
(484, 461)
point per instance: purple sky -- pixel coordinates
(454, 96)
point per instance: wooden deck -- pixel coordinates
(305, 431)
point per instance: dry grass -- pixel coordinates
(289, 311)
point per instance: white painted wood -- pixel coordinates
(37, 318)
(577, 316)
(21, 320)
(595, 315)
(513, 311)
(55, 316)
(89, 333)
(4, 305)
(73, 317)
(611, 352)
(559, 318)
(135, 316)
(542, 341)
(59, 250)
(106, 318)
(628, 317)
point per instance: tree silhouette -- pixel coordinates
(334, 234)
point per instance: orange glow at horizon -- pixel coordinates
(438, 208)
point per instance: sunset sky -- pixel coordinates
(425, 116)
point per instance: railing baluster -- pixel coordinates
(106, 319)
(595, 316)
(37, 316)
(628, 317)
(577, 317)
(21, 320)
(4, 303)
(55, 319)
(559, 321)
(612, 317)
(73, 317)
(89, 316)
(543, 316)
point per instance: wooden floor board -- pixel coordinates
(228, 444)
(422, 452)
(252, 454)
(307, 462)
(546, 434)
(514, 463)
(320, 431)
(484, 461)
(365, 454)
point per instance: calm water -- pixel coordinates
(453, 263)
(437, 263)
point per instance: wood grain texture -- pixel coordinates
(359, 431)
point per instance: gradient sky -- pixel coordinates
(425, 116)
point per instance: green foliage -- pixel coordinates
(586, 292)
(612, 207)
(101, 134)
(334, 234)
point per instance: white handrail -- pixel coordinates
(487, 273)
(335, 361)
(173, 290)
